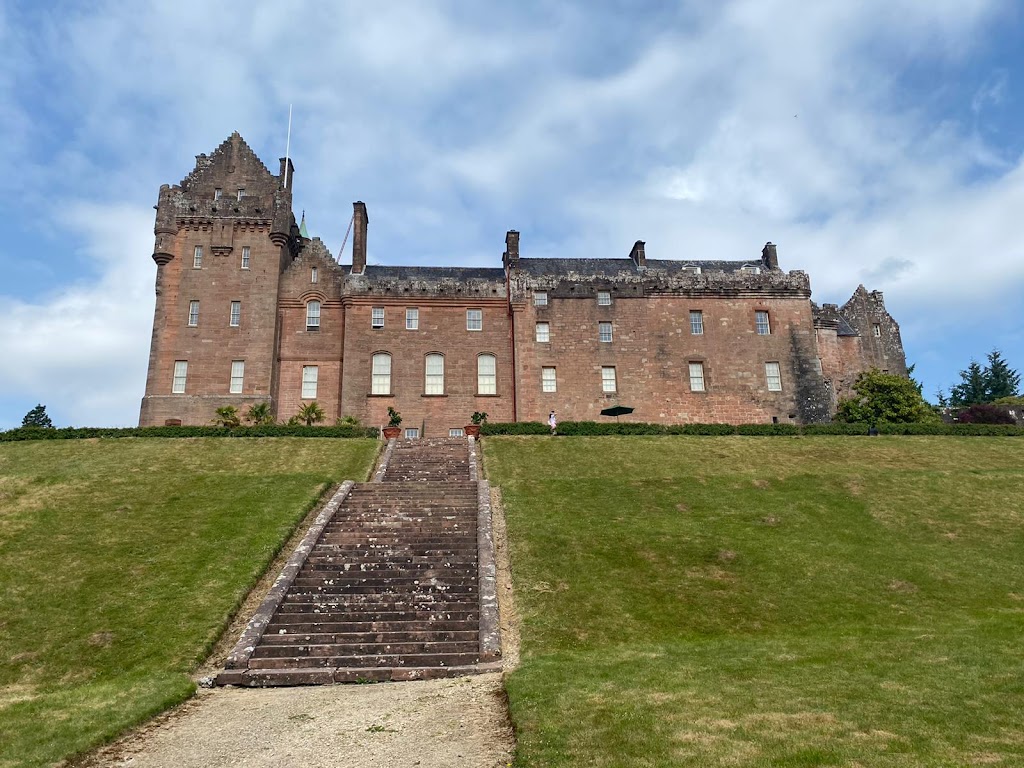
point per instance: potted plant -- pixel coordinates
(393, 429)
(478, 418)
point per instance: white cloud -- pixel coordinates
(83, 350)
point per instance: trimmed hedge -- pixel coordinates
(269, 430)
(593, 428)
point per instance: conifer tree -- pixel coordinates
(37, 418)
(972, 388)
(1000, 379)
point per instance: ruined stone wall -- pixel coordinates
(881, 344)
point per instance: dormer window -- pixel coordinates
(752, 269)
(218, 193)
(241, 194)
(693, 269)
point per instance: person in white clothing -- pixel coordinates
(552, 422)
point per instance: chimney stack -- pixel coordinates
(637, 255)
(770, 256)
(510, 258)
(359, 222)
(287, 173)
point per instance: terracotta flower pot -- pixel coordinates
(472, 430)
(392, 432)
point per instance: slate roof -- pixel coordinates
(614, 267)
(845, 329)
(378, 272)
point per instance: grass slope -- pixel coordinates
(766, 601)
(120, 561)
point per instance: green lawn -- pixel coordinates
(700, 601)
(120, 563)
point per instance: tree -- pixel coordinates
(37, 418)
(986, 413)
(259, 414)
(1000, 379)
(884, 397)
(310, 414)
(227, 416)
(971, 389)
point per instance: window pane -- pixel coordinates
(314, 276)
(381, 377)
(547, 380)
(604, 331)
(412, 433)
(434, 384)
(180, 374)
(456, 432)
(245, 257)
(608, 379)
(474, 319)
(486, 378)
(604, 298)
(237, 376)
(696, 322)
(540, 299)
(377, 317)
(197, 257)
(763, 327)
(193, 313)
(309, 377)
(412, 318)
(696, 377)
(313, 316)
(773, 376)
(543, 332)
(236, 314)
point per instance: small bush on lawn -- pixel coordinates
(986, 413)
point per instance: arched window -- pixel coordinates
(381, 379)
(434, 384)
(486, 375)
(313, 316)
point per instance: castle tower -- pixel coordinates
(223, 237)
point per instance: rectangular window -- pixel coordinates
(236, 314)
(540, 298)
(696, 322)
(309, 377)
(548, 383)
(486, 375)
(604, 332)
(377, 317)
(380, 383)
(456, 432)
(876, 329)
(180, 374)
(474, 319)
(412, 433)
(313, 315)
(817, 365)
(193, 313)
(764, 328)
(218, 193)
(543, 332)
(604, 298)
(237, 375)
(751, 268)
(608, 379)
(245, 257)
(696, 377)
(412, 318)
(241, 194)
(197, 257)
(314, 276)
(434, 384)
(773, 376)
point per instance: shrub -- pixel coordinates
(227, 416)
(310, 414)
(884, 397)
(259, 414)
(986, 413)
(263, 430)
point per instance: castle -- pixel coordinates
(250, 309)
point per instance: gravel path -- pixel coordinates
(434, 724)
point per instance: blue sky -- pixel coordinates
(875, 142)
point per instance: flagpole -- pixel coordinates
(287, 146)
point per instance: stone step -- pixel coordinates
(404, 648)
(375, 660)
(410, 590)
(403, 621)
(346, 638)
(326, 676)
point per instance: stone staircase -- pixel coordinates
(387, 584)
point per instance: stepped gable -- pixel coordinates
(233, 156)
(390, 590)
